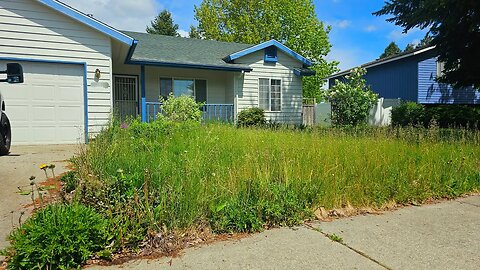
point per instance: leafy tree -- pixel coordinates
(351, 100)
(454, 26)
(391, 50)
(194, 33)
(294, 23)
(163, 25)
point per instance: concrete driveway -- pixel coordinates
(15, 171)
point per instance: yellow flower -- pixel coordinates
(43, 167)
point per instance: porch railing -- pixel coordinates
(210, 112)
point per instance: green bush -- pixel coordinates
(408, 114)
(253, 117)
(445, 116)
(351, 101)
(57, 237)
(181, 109)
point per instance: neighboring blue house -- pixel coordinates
(412, 76)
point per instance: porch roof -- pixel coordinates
(159, 50)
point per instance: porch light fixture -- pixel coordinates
(97, 74)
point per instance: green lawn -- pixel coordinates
(171, 177)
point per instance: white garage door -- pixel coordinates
(49, 107)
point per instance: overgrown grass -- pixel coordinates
(170, 176)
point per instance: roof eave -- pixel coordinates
(273, 42)
(187, 65)
(87, 20)
(381, 62)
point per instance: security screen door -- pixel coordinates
(125, 96)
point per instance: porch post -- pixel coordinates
(143, 90)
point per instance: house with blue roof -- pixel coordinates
(80, 71)
(412, 76)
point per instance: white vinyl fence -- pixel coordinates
(380, 115)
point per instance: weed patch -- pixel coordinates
(169, 177)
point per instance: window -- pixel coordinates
(271, 54)
(440, 68)
(201, 91)
(270, 94)
(166, 87)
(184, 87)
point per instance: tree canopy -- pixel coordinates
(455, 28)
(193, 33)
(163, 25)
(391, 50)
(294, 23)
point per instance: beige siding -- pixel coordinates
(247, 86)
(31, 30)
(219, 83)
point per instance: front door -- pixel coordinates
(125, 96)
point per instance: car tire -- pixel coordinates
(5, 135)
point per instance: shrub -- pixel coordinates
(408, 114)
(253, 117)
(57, 237)
(351, 101)
(446, 116)
(70, 180)
(181, 109)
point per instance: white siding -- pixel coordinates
(33, 31)
(246, 86)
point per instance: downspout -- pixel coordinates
(143, 88)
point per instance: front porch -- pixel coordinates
(138, 88)
(210, 112)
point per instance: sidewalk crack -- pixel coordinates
(467, 203)
(361, 253)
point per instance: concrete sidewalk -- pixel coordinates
(437, 236)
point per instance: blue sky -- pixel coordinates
(357, 36)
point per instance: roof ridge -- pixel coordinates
(190, 39)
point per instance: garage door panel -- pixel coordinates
(49, 107)
(43, 113)
(69, 94)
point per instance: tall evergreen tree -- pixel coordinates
(194, 33)
(455, 28)
(426, 41)
(391, 50)
(163, 25)
(294, 23)
(410, 47)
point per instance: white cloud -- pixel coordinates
(348, 58)
(342, 24)
(183, 33)
(121, 14)
(370, 28)
(397, 35)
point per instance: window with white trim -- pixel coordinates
(440, 68)
(270, 94)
